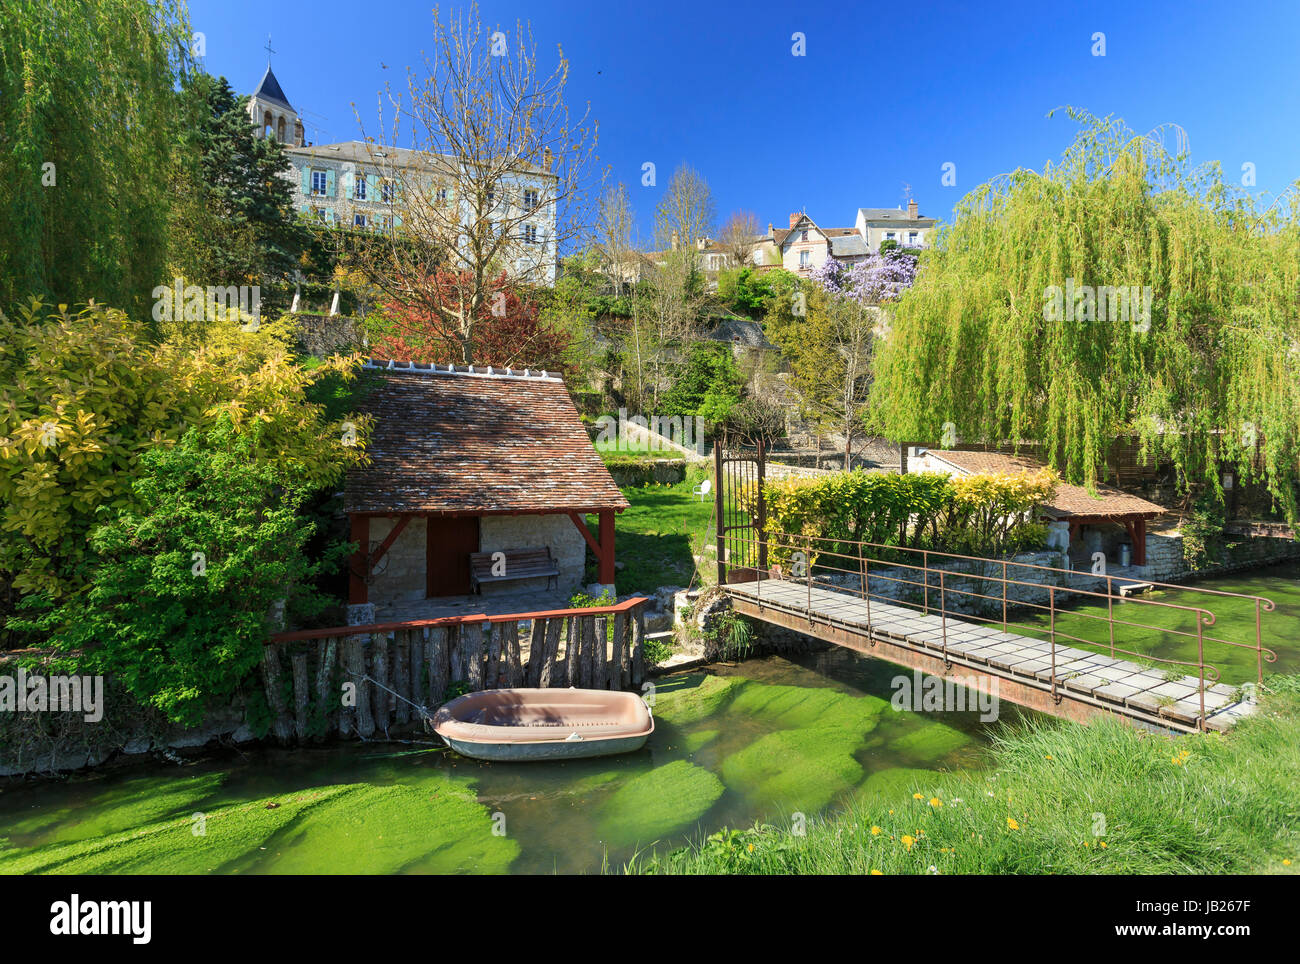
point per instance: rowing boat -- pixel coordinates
(544, 724)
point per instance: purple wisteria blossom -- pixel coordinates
(878, 279)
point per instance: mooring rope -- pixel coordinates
(419, 707)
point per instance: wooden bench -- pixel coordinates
(519, 564)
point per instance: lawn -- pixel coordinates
(654, 535)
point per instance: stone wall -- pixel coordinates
(403, 578)
(1166, 563)
(568, 548)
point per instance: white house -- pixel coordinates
(805, 245)
(375, 188)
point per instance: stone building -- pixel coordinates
(473, 460)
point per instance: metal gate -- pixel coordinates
(740, 512)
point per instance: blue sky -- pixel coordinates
(885, 95)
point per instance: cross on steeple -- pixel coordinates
(269, 51)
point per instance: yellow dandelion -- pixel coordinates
(936, 802)
(875, 831)
(1049, 756)
(751, 848)
(908, 840)
(918, 796)
(1011, 824)
(1102, 845)
(877, 873)
(1286, 861)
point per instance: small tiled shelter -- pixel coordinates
(467, 459)
(1072, 504)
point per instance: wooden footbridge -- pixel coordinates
(948, 615)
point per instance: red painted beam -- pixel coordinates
(606, 554)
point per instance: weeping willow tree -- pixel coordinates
(88, 117)
(1121, 292)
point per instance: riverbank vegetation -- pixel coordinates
(1060, 799)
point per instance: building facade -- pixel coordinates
(369, 187)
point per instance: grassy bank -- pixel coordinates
(1062, 798)
(656, 531)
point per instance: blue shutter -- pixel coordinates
(372, 187)
(306, 179)
(348, 180)
(329, 183)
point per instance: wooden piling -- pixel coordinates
(379, 673)
(435, 656)
(514, 667)
(638, 647)
(402, 675)
(301, 694)
(618, 654)
(472, 640)
(536, 652)
(550, 650)
(326, 650)
(272, 681)
(599, 659)
(365, 721)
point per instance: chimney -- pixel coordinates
(701, 243)
(794, 218)
(547, 158)
(911, 209)
(769, 229)
(676, 241)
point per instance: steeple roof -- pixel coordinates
(269, 89)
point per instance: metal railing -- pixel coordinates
(932, 574)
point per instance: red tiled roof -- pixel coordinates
(469, 442)
(1069, 501)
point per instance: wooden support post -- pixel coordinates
(359, 565)
(606, 568)
(1140, 541)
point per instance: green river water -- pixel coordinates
(759, 740)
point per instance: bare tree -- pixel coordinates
(614, 227)
(666, 318)
(685, 210)
(489, 186)
(739, 236)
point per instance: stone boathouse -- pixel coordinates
(466, 460)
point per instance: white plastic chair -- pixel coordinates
(703, 489)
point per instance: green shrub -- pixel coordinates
(177, 609)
